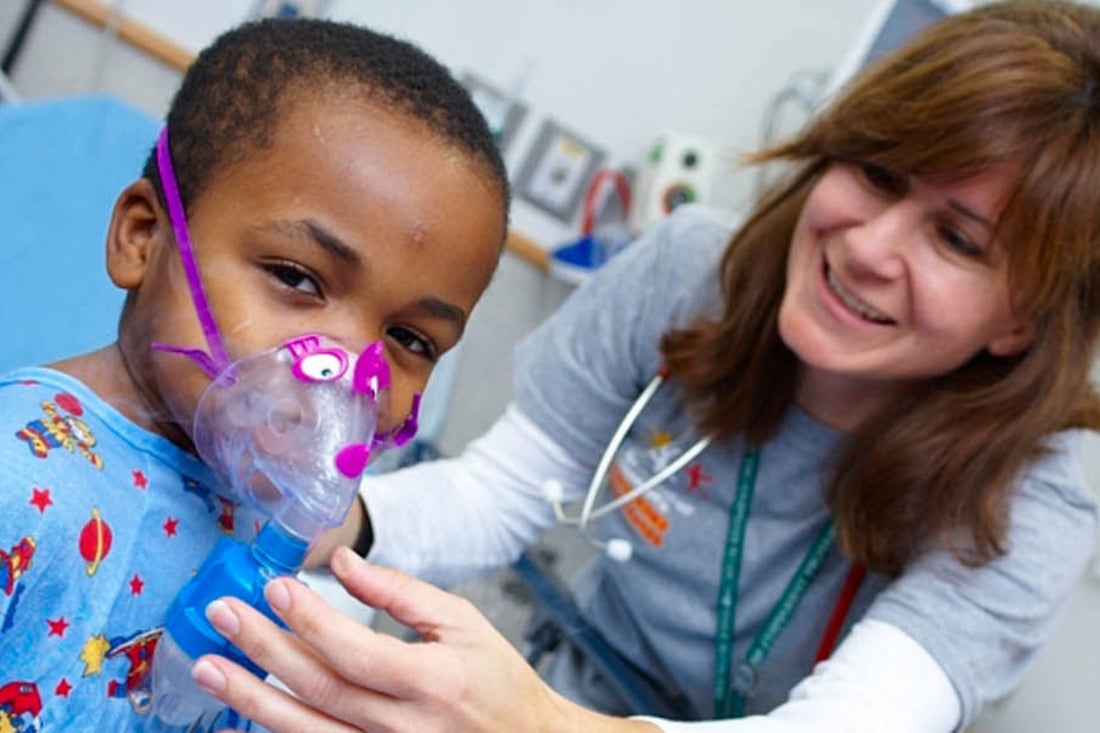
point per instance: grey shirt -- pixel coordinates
(580, 372)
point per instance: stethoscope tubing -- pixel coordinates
(589, 512)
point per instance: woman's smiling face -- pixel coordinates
(892, 280)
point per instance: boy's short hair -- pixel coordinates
(233, 97)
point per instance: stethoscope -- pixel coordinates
(618, 549)
(734, 681)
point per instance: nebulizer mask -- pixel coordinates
(287, 431)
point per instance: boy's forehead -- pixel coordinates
(323, 117)
(331, 156)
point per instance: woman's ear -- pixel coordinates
(1014, 341)
(137, 224)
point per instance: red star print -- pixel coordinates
(696, 478)
(41, 498)
(140, 479)
(58, 627)
(171, 525)
(136, 585)
(63, 688)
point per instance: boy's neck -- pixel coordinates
(106, 373)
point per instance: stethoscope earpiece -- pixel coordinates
(618, 549)
(553, 492)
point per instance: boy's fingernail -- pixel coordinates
(207, 676)
(277, 595)
(223, 618)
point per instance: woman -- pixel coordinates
(886, 366)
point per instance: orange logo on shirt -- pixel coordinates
(640, 513)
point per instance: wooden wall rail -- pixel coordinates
(173, 55)
(133, 32)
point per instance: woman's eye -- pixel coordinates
(883, 179)
(412, 341)
(960, 243)
(294, 277)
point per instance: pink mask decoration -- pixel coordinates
(290, 430)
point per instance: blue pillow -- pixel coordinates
(63, 163)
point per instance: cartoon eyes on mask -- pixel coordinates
(324, 365)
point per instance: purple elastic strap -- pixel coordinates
(408, 428)
(217, 360)
(404, 432)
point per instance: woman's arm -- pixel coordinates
(464, 676)
(879, 679)
(450, 519)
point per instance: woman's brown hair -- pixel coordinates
(1013, 84)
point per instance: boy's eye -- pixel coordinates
(883, 179)
(412, 341)
(294, 277)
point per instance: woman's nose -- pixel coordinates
(877, 246)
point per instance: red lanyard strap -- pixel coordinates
(840, 612)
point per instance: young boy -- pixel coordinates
(334, 181)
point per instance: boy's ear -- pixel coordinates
(137, 225)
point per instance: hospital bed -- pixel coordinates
(64, 161)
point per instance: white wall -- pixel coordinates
(620, 71)
(617, 72)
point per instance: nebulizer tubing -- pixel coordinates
(279, 431)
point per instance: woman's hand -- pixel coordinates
(462, 676)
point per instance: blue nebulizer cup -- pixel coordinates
(288, 431)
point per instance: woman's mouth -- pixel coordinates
(860, 308)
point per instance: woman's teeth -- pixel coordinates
(854, 304)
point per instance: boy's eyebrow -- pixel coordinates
(444, 310)
(323, 237)
(333, 245)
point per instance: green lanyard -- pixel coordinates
(732, 686)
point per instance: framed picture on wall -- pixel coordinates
(556, 171)
(503, 112)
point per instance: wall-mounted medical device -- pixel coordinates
(680, 169)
